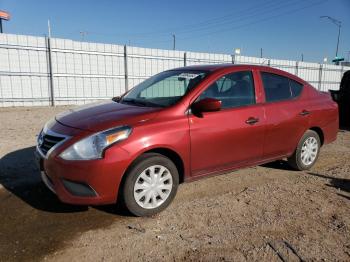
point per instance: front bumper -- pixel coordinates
(93, 182)
(47, 181)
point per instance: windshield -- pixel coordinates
(164, 89)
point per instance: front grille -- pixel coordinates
(48, 142)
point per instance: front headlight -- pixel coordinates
(92, 147)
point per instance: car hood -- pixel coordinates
(104, 115)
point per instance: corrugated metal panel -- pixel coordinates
(250, 60)
(85, 72)
(23, 71)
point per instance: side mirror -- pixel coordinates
(116, 98)
(206, 105)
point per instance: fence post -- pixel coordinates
(296, 67)
(320, 77)
(126, 68)
(185, 58)
(233, 59)
(52, 90)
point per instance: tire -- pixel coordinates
(153, 178)
(305, 155)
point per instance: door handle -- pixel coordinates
(252, 120)
(304, 113)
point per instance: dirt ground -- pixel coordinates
(264, 213)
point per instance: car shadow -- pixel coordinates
(20, 175)
(344, 128)
(279, 164)
(34, 217)
(341, 184)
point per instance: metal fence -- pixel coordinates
(38, 71)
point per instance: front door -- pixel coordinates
(232, 136)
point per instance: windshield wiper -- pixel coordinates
(133, 101)
(140, 102)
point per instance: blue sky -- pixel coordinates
(284, 29)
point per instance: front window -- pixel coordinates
(233, 90)
(164, 89)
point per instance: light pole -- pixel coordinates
(174, 41)
(338, 24)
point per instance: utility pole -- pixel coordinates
(261, 52)
(49, 27)
(302, 57)
(82, 35)
(49, 48)
(174, 41)
(336, 52)
(338, 24)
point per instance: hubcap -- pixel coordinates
(153, 186)
(309, 151)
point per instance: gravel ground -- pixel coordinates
(264, 213)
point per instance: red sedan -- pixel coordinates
(181, 125)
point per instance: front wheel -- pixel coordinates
(150, 184)
(307, 151)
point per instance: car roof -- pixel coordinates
(219, 67)
(215, 67)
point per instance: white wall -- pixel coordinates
(84, 72)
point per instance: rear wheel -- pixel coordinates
(150, 185)
(307, 151)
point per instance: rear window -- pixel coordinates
(278, 88)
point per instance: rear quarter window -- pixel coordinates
(279, 88)
(296, 87)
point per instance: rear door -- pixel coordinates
(286, 114)
(232, 136)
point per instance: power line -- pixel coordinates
(239, 18)
(209, 21)
(239, 15)
(256, 21)
(263, 19)
(219, 23)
